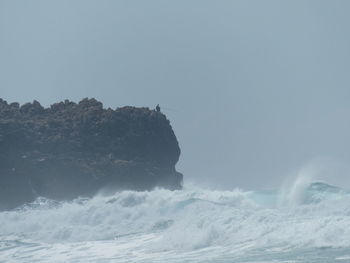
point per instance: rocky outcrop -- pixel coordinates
(76, 149)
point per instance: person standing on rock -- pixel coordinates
(157, 108)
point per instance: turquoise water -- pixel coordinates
(302, 223)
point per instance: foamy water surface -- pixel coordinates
(191, 225)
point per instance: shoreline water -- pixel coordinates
(190, 225)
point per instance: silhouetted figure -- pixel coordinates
(157, 108)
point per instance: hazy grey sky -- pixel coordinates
(255, 90)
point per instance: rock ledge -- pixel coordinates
(76, 149)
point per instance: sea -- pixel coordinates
(302, 223)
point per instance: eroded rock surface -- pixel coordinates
(76, 149)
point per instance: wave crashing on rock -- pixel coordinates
(76, 149)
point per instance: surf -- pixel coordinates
(193, 221)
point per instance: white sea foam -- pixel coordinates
(191, 225)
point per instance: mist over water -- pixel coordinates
(304, 222)
(253, 89)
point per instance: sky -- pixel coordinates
(256, 91)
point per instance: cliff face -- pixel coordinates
(71, 150)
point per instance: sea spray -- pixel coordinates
(292, 192)
(192, 225)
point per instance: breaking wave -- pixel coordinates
(181, 226)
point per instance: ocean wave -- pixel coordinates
(191, 219)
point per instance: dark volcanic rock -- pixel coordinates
(71, 150)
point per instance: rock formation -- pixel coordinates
(76, 149)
